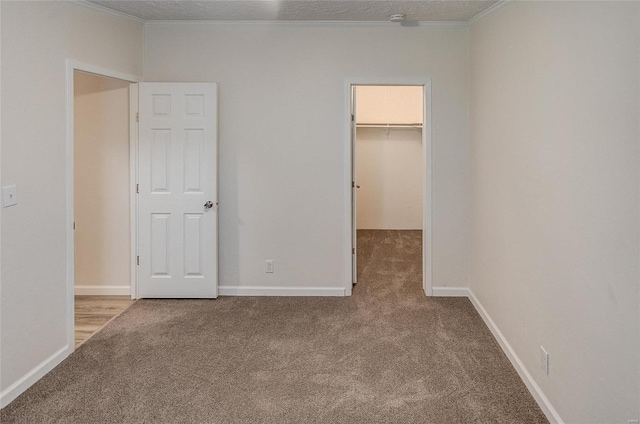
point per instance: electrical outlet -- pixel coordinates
(269, 266)
(544, 360)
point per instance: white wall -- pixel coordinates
(37, 38)
(554, 188)
(1, 185)
(101, 185)
(390, 173)
(283, 120)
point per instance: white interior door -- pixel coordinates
(177, 194)
(354, 187)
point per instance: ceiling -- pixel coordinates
(298, 10)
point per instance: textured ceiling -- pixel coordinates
(298, 10)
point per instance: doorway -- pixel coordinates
(101, 209)
(99, 201)
(390, 175)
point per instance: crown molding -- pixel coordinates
(409, 24)
(265, 22)
(497, 6)
(105, 10)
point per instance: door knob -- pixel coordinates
(208, 205)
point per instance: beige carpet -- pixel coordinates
(387, 354)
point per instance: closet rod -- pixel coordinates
(390, 125)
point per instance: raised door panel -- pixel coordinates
(193, 249)
(192, 160)
(160, 154)
(160, 235)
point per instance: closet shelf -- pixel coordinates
(376, 125)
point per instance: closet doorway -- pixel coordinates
(390, 182)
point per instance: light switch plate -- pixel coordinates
(9, 196)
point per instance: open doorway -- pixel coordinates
(391, 184)
(101, 208)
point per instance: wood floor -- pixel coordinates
(94, 312)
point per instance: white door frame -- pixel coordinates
(427, 273)
(73, 66)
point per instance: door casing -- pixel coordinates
(427, 273)
(71, 67)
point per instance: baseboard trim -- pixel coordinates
(16, 389)
(535, 390)
(280, 291)
(450, 291)
(102, 290)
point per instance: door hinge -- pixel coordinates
(74, 225)
(137, 260)
(353, 250)
(137, 116)
(137, 188)
(353, 117)
(353, 184)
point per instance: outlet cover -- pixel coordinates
(269, 266)
(544, 360)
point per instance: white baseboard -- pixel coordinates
(450, 291)
(17, 388)
(280, 291)
(544, 403)
(102, 290)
